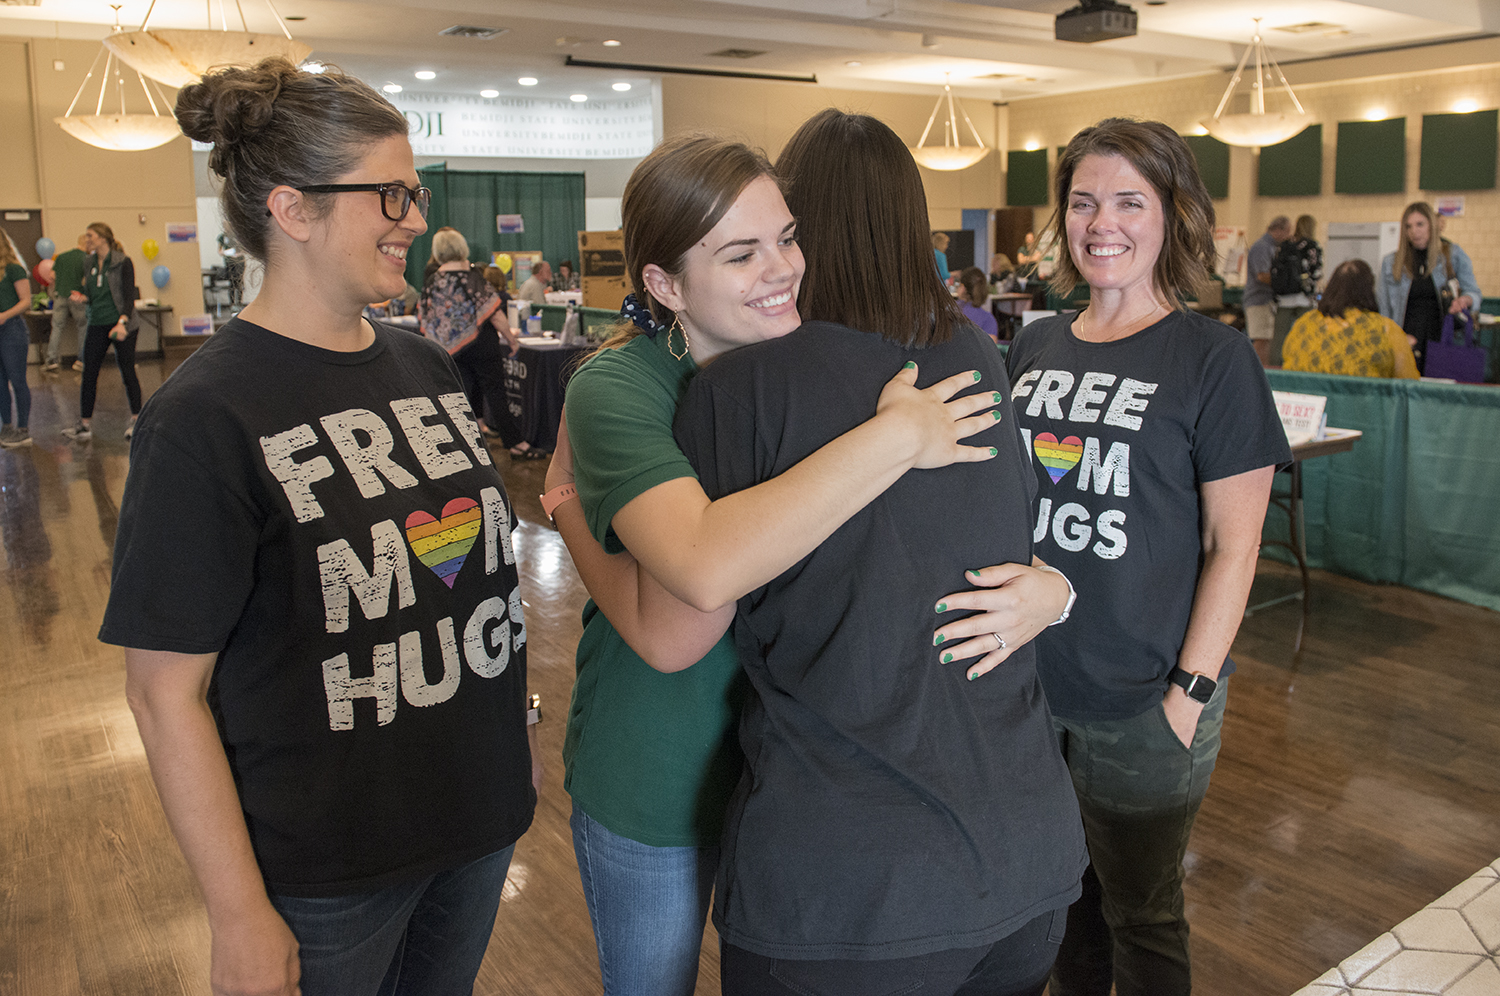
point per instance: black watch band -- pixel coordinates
(1199, 687)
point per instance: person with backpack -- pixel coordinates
(1260, 299)
(1295, 272)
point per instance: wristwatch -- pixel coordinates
(533, 710)
(556, 497)
(1199, 687)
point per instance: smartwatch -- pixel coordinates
(533, 710)
(556, 497)
(1199, 687)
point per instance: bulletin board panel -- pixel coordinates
(1371, 157)
(1295, 167)
(1213, 163)
(1026, 178)
(1458, 151)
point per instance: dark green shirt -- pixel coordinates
(8, 296)
(67, 272)
(102, 310)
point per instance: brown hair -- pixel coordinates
(977, 284)
(106, 233)
(1352, 285)
(275, 124)
(674, 197)
(8, 252)
(1164, 160)
(1406, 253)
(1307, 228)
(862, 221)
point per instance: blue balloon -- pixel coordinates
(160, 275)
(45, 247)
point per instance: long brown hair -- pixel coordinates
(674, 197)
(1352, 285)
(1164, 160)
(1406, 253)
(862, 221)
(8, 253)
(106, 233)
(977, 284)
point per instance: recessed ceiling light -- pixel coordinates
(1375, 114)
(489, 94)
(611, 43)
(527, 81)
(1033, 145)
(578, 98)
(392, 88)
(1466, 106)
(621, 87)
(854, 62)
(313, 67)
(425, 74)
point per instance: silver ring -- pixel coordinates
(1000, 640)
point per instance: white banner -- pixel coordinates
(527, 127)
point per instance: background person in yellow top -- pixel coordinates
(1347, 334)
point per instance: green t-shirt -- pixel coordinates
(67, 272)
(8, 296)
(102, 310)
(651, 756)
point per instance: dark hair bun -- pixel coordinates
(232, 104)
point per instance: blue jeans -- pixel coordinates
(648, 906)
(14, 341)
(422, 938)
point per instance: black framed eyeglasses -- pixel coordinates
(395, 198)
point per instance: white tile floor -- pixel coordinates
(1451, 948)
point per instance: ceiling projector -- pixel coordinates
(1096, 21)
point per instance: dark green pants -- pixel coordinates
(1139, 790)
(1286, 317)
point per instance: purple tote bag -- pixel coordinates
(1462, 362)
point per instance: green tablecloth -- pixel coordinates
(1412, 503)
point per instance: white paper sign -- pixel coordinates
(1302, 416)
(528, 127)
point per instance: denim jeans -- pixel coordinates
(14, 342)
(1139, 790)
(62, 310)
(1015, 965)
(422, 938)
(648, 906)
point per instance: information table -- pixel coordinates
(536, 379)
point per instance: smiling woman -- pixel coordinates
(312, 455)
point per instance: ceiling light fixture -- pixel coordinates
(179, 56)
(122, 132)
(527, 81)
(316, 68)
(951, 155)
(852, 63)
(1466, 106)
(578, 98)
(489, 94)
(392, 88)
(620, 87)
(1257, 128)
(611, 43)
(425, 74)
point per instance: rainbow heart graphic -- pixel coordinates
(442, 544)
(1057, 457)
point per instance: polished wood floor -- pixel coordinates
(1357, 781)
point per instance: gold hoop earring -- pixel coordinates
(677, 327)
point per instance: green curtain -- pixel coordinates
(550, 204)
(1411, 503)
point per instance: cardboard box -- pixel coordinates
(601, 269)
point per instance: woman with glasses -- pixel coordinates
(314, 579)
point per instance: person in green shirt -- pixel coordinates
(109, 288)
(68, 302)
(15, 298)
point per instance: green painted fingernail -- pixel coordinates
(942, 606)
(993, 451)
(997, 415)
(973, 675)
(909, 365)
(975, 573)
(947, 658)
(938, 639)
(977, 375)
(998, 397)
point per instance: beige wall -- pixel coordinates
(1406, 84)
(75, 184)
(765, 114)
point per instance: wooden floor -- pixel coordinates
(1357, 781)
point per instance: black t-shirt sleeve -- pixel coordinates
(716, 432)
(185, 548)
(1238, 427)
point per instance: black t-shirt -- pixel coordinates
(331, 526)
(890, 806)
(1124, 433)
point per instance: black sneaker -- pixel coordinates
(79, 433)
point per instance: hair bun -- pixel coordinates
(231, 104)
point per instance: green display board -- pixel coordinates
(1371, 157)
(1295, 167)
(1458, 151)
(1213, 163)
(1026, 178)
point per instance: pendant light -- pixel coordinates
(951, 155)
(1257, 128)
(179, 56)
(122, 131)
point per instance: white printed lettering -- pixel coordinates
(1071, 540)
(1024, 385)
(341, 571)
(342, 690)
(479, 632)
(1055, 384)
(368, 463)
(518, 616)
(1127, 399)
(457, 407)
(414, 686)
(1115, 466)
(1108, 525)
(1043, 516)
(1088, 396)
(496, 530)
(427, 440)
(296, 478)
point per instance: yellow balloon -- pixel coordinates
(149, 249)
(503, 260)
